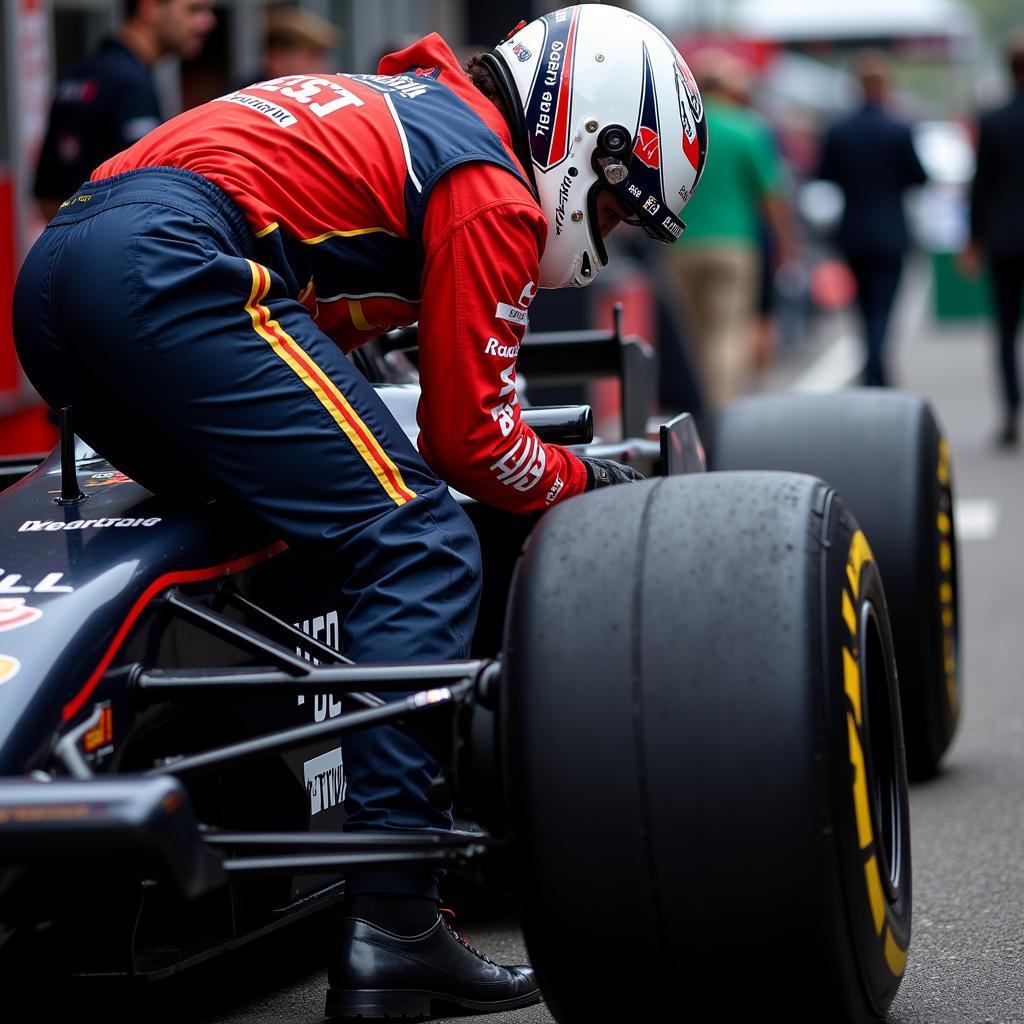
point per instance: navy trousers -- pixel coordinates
(878, 278)
(145, 305)
(1007, 272)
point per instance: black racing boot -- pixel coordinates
(376, 973)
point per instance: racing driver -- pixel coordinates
(195, 301)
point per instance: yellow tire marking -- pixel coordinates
(875, 894)
(895, 955)
(860, 786)
(848, 614)
(851, 683)
(942, 471)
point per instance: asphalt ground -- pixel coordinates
(966, 962)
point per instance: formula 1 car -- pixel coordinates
(689, 750)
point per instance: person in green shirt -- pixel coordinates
(718, 259)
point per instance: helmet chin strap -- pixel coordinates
(520, 136)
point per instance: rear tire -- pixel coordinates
(883, 452)
(705, 767)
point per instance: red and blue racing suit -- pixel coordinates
(195, 298)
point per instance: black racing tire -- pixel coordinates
(884, 453)
(704, 764)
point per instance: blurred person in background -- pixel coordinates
(870, 156)
(109, 100)
(718, 260)
(295, 42)
(997, 229)
(196, 299)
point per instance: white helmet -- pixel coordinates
(609, 104)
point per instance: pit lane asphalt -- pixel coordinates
(966, 961)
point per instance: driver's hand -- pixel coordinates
(605, 472)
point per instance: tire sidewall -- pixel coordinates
(868, 752)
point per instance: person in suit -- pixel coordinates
(870, 156)
(997, 229)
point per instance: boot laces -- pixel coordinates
(448, 916)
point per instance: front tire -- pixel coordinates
(705, 771)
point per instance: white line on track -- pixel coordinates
(835, 368)
(976, 518)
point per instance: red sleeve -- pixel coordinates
(482, 239)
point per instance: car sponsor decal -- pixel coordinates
(548, 114)
(10, 583)
(36, 813)
(107, 478)
(212, 572)
(325, 781)
(53, 525)
(9, 667)
(99, 740)
(327, 629)
(14, 613)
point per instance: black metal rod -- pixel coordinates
(168, 684)
(308, 643)
(156, 686)
(248, 750)
(349, 841)
(242, 636)
(70, 489)
(311, 644)
(324, 862)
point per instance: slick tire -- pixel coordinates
(884, 453)
(704, 765)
